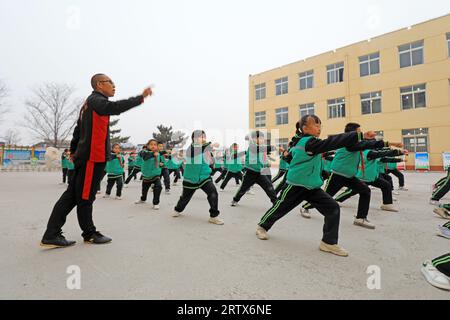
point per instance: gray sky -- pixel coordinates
(198, 53)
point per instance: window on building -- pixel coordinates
(369, 64)
(282, 143)
(306, 109)
(282, 116)
(335, 72)
(336, 108)
(306, 79)
(448, 44)
(260, 119)
(260, 91)
(416, 140)
(379, 135)
(281, 86)
(371, 102)
(411, 54)
(413, 97)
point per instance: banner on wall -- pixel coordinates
(422, 161)
(446, 160)
(16, 157)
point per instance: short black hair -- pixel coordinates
(95, 78)
(352, 126)
(197, 134)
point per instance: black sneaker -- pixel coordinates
(97, 238)
(58, 242)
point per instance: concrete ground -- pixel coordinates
(155, 256)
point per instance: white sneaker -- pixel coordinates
(176, 214)
(216, 220)
(221, 190)
(388, 207)
(155, 207)
(118, 198)
(434, 202)
(444, 232)
(106, 196)
(394, 199)
(234, 203)
(139, 202)
(395, 193)
(167, 191)
(305, 213)
(442, 213)
(99, 192)
(363, 223)
(251, 192)
(261, 233)
(403, 189)
(434, 276)
(334, 249)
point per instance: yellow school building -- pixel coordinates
(397, 84)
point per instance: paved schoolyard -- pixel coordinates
(155, 256)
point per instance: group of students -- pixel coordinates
(353, 159)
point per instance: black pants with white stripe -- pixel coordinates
(252, 177)
(292, 196)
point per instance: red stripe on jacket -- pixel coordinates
(98, 139)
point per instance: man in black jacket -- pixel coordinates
(91, 149)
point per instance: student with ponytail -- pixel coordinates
(344, 169)
(304, 180)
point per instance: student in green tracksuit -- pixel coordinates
(285, 159)
(304, 181)
(284, 166)
(152, 162)
(345, 167)
(173, 165)
(131, 163)
(223, 171)
(442, 187)
(374, 160)
(70, 170)
(114, 170)
(218, 165)
(391, 168)
(136, 168)
(234, 166)
(197, 175)
(255, 161)
(64, 163)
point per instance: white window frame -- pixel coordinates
(416, 135)
(377, 95)
(283, 84)
(413, 91)
(339, 106)
(260, 119)
(448, 44)
(368, 60)
(260, 90)
(410, 50)
(283, 113)
(282, 142)
(307, 107)
(305, 76)
(333, 72)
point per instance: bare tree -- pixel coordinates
(11, 137)
(52, 112)
(3, 95)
